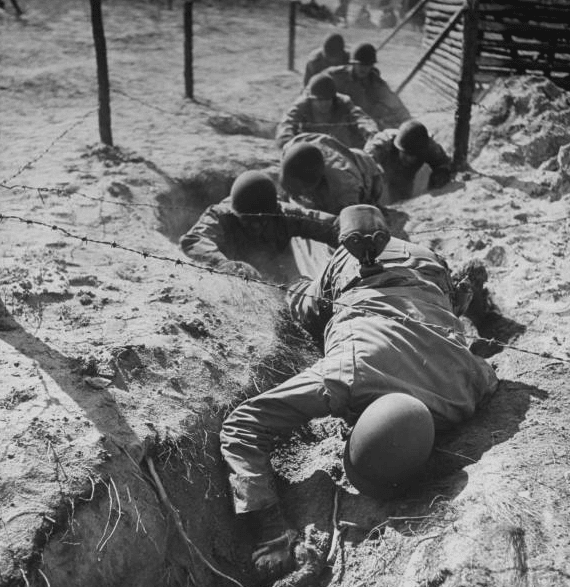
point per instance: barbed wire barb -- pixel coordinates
(278, 286)
(478, 227)
(41, 154)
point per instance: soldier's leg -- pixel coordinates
(248, 434)
(246, 441)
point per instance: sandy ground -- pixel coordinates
(118, 361)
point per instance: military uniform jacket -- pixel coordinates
(372, 94)
(399, 178)
(348, 123)
(351, 176)
(318, 62)
(218, 235)
(394, 331)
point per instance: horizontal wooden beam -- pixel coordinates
(527, 30)
(407, 17)
(453, 56)
(455, 3)
(432, 32)
(443, 91)
(448, 9)
(541, 46)
(451, 68)
(439, 73)
(520, 63)
(452, 22)
(521, 7)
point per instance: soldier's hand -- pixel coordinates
(439, 178)
(241, 269)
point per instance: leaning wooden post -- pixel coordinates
(407, 17)
(188, 49)
(18, 10)
(431, 49)
(466, 85)
(292, 30)
(102, 73)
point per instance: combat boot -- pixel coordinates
(471, 298)
(275, 540)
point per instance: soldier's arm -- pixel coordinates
(310, 303)
(378, 188)
(395, 110)
(440, 164)
(373, 181)
(379, 146)
(365, 125)
(309, 72)
(289, 125)
(207, 239)
(312, 224)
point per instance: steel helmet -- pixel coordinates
(253, 192)
(412, 138)
(389, 445)
(302, 168)
(365, 53)
(333, 45)
(322, 86)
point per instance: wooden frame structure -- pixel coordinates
(513, 37)
(469, 42)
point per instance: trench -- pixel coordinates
(121, 532)
(181, 206)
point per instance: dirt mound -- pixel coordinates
(120, 358)
(526, 120)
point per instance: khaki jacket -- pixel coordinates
(219, 236)
(372, 94)
(394, 331)
(348, 123)
(351, 176)
(318, 62)
(399, 177)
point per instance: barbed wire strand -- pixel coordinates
(255, 118)
(41, 154)
(478, 226)
(280, 287)
(207, 104)
(149, 105)
(451, 107)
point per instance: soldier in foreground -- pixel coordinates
(384, 307)
(401, 153)
(321, 109)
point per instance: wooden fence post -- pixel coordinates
(466, 85)
(102, 73)
(292, 29)
(188, 49)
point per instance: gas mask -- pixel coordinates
(364, 234)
